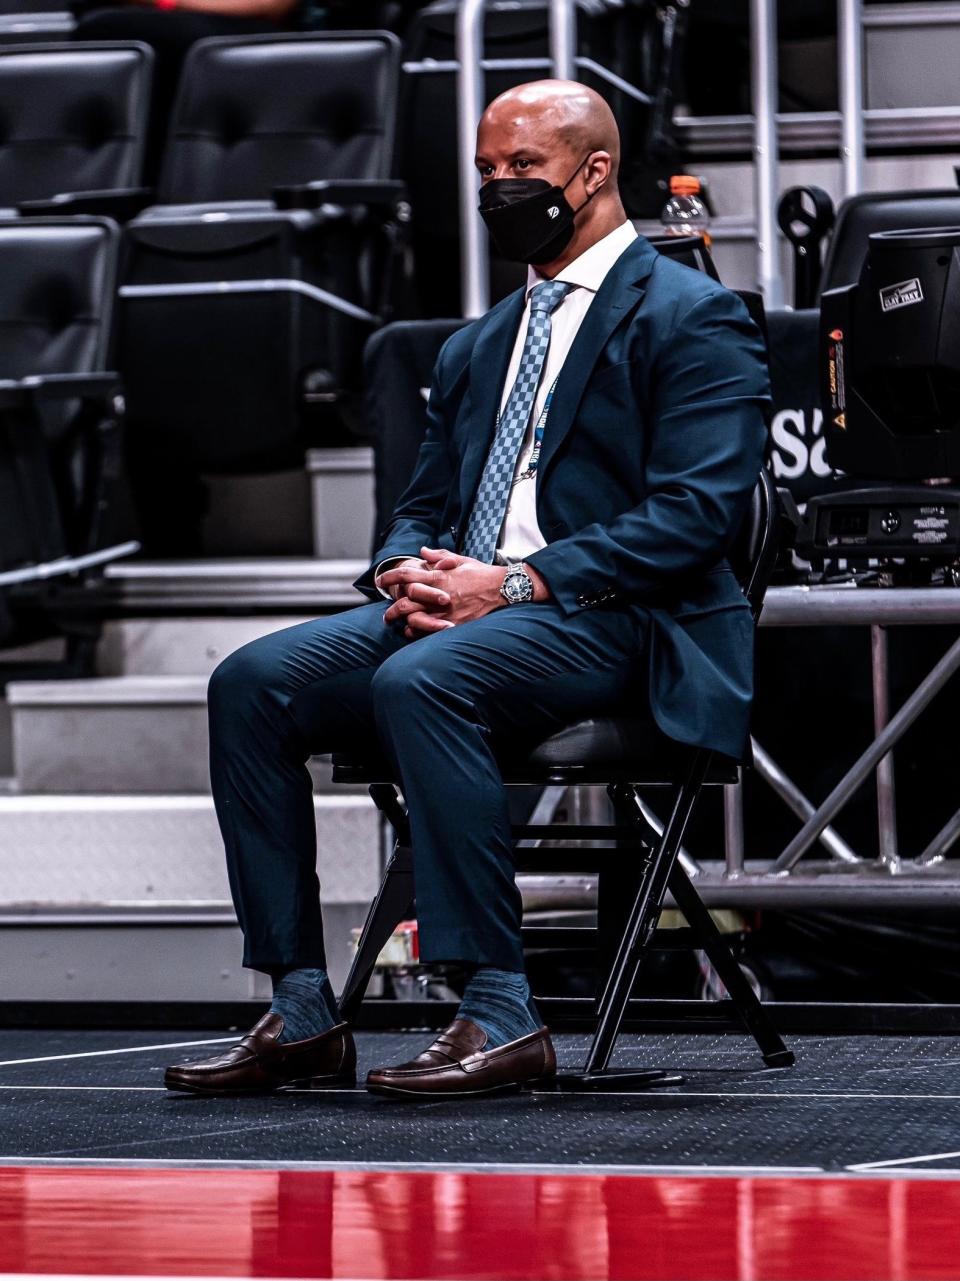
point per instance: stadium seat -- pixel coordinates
(72, 122)
(251, 286)
(60, 412)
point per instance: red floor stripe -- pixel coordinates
(353, 1224)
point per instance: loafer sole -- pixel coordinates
(405, 1092)
(183, 1086)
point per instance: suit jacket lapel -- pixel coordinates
(621, 291)
(488, 369)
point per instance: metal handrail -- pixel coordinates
(763, 83)
(763, 48)
(474, 256)
(850, 51)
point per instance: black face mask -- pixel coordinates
(530, 220)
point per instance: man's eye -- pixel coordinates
(524, 164)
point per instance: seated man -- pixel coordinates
(591, 448)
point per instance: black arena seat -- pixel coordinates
(60, 416)
(252, 284)
(72, 120)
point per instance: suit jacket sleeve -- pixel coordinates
(709, 396)
(416, 521)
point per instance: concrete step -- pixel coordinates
(116, 734)
(188, 646)
(301, 584)
(126, 897)
(110, 734)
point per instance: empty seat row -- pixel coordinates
(256, 271)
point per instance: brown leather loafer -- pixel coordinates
(457, 1064)
(260, 1063)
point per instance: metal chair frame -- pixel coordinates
(648, 877)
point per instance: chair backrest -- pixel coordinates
(73, 117)
(56, 300)
(255, 113)
(753, 556)
(859, 216)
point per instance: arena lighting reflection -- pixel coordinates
(390, 1224)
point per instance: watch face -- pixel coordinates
(517, 587)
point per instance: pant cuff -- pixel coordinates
(463, 947)
(273, 965)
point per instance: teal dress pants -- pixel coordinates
(438, 707)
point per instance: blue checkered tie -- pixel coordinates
(486, 518)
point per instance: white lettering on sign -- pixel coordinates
(795, 450)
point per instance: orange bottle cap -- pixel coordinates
(683, 184)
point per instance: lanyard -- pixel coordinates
(531, 468)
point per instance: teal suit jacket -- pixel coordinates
(653, 448)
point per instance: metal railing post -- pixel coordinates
(763, 76)
(850, 54)
(563, 38)
(474, 256)
(886, 786)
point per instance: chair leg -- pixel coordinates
(640, 927)
(755, 1017)
(393, 904)
(643, 917)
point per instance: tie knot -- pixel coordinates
(546, 298)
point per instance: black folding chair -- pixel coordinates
(626, 755)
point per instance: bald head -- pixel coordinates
(564, 134)
(561, 114)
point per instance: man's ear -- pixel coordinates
(598, 172)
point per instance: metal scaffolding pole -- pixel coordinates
(563, 38)
(763, 76)
(886, 785)
(850, 50)
(474, 257)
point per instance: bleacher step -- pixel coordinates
(126, 897)
(187, 646)
(115, 735)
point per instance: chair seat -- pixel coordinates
(602, 750)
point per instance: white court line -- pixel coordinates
(96, 1089)
(674, 1093)
(903, 1160)
(422, 1167)
(129, 1049)
(678, 1092)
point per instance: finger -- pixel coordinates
(399, 610)
(423, 622)
(434, 554)
(432, 597)
(404, 574)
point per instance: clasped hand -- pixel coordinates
(440, 590)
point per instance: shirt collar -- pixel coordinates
(589, 269)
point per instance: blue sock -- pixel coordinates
(304, 999)
(499, 1001)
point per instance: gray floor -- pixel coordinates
(851, 1103)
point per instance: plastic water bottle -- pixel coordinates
(685, 214)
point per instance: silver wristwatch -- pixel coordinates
(517, 586)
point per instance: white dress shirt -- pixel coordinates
(520, 536)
